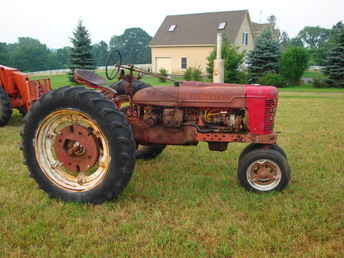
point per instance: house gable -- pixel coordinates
(245, 28)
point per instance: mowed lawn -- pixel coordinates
(188, 203)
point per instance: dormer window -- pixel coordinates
(221, 25)
(172, 27)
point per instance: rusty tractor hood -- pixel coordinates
(198, 94)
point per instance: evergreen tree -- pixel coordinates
(265, 56)
(335, 63)
(81, 56)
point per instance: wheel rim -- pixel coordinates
(71, 150)
(263, 175)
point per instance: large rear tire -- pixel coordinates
(5, 107)
(77, 146)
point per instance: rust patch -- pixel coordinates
(162, 135)
(76, 148)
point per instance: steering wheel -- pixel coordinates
(113, 64)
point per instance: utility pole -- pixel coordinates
(218, 73)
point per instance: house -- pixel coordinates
(184, 41)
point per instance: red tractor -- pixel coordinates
(81, 144)
(17, 91)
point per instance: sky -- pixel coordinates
(53, 22)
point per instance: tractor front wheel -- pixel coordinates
(5, 107)
(256, 146)
(264, 170)
(77, 146)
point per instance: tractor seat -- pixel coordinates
(89, 76)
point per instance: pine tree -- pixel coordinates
(265, 56)
(81, 57)
(335, 63)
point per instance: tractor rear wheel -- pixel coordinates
(264, 170)
(5, 107)
(77, 146)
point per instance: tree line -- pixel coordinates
(29, 54)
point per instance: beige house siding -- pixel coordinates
(196, 57)
(245, 27)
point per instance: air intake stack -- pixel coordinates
(218, 73)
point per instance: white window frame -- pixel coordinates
(245, 38)
(186, 62)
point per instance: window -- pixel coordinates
(184, 62)
(221, 25)
(245, 38)
(172, 27)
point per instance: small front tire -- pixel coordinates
(256, 146)
(263, 170)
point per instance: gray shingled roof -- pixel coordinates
(198, 29)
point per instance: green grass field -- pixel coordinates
(188, 203)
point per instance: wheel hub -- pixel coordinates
(263, 173)
(76, 148)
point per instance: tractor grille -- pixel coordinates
(269, 114)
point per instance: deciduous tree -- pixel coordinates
(133, 45)
(294, 62)
(100, 52)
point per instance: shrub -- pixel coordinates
(232, 61)
(294, 63)
(188, 74)
(196, 74)
(163, 72)
(320, 83)
(273, 79)
(193, 74)
(243, 77)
